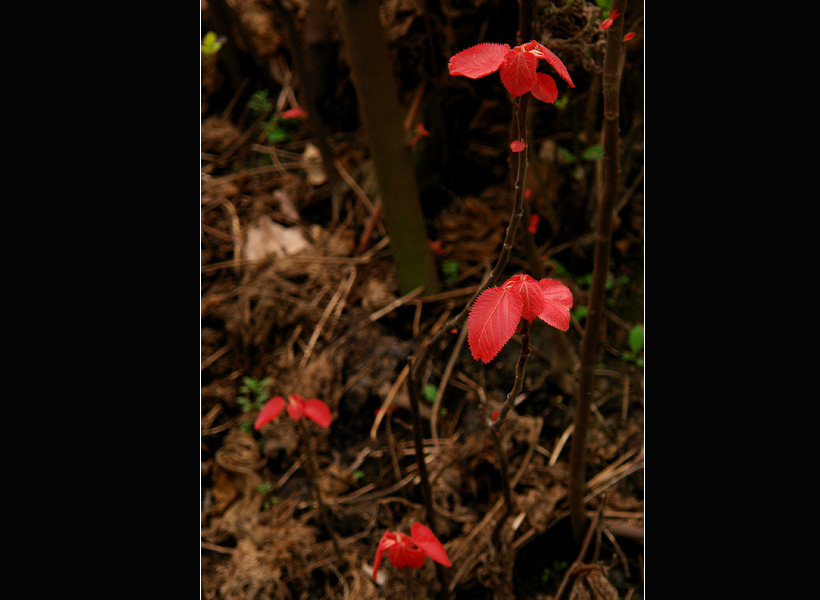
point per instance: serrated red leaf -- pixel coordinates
(318, 412)
(493, 318)
(518, 72)
(429, 544)
(478, 61)
(557, 302)
(270, 411)
(545, 88)
(531, 295)
(556, 64)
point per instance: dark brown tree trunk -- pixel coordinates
(372, 73)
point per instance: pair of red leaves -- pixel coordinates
(518, 68)
(408, 551)
(496, 313)
(314, 409)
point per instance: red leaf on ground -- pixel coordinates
(269, 411)
(429, 544)
(493, 319)
(318, 412)
(296, 406)
(518, 72)
(478, 61)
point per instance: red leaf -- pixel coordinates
(531, 295)
(518, 72)
(493, 319)
(556, 64)
(478, 61)
(429, 544)
(318, 412)
(557, 302)
(517, 146)
(383, 544)
(532, 226)
(404, 555)
(269, 411)
(545, 88)
(296, 406)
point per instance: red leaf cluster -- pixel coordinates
(496, 313)
(314, 409)
(409, 550)
(518, 67)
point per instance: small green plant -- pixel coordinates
(635, 346)
(211, 44)
(254, 394)
(450, 270)
(558, 566)
(265, 488)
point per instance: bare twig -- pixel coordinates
(590, 342)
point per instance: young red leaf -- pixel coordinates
(318, 412)
(556, 64)
(478, 61)
(518, 72)
(296, 406)
(404, 554)
(517, 146)
(429, 544)
(269, 411)
(383, 545)
(629, 36)
(545, 88)
(531, 295)
(532, 226)
(493, 319)
(557, 302)
(297, 112)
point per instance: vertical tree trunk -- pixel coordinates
(371, 70)
(603, 243)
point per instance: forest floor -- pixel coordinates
(299, 296)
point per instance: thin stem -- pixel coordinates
(503, 257)
(457, 322)
(524, 332)
(497, 435)
(590, 342)
(312, 471)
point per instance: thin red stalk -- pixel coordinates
(603, 242)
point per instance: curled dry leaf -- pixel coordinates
(266, 237)
(312, 164)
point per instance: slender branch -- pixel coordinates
(312, 471)
(457, 322)
(524, 332)
(509, 239)
(590, 342)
